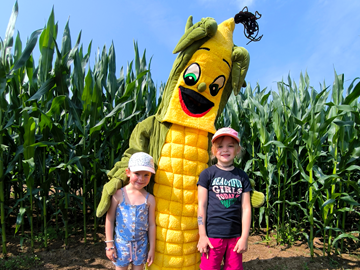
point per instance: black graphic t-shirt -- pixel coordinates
(225, 188)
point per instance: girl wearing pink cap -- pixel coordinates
(224, 210)
(132, 210)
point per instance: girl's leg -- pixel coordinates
(215, 255)
(121, 268)
(232, 260)
(138, 267)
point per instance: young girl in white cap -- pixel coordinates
(224, 210)
(132, 211)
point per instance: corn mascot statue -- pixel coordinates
(208, 68)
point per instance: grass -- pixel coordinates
(333, 263)
(20, 262)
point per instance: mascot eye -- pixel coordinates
(192, 74)
(217, 84)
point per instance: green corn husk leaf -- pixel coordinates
(26, 54)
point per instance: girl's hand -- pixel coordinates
(150, 257)
(204, 244)
(241, 245)
(111, 254)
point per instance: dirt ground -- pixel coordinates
(260, 255)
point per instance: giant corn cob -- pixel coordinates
(183, 156)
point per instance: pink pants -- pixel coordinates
(232, 259)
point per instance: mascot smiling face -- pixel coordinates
(196, 98)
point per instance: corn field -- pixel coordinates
(64, 123)
(302, 147)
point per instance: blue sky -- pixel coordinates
(313, 36)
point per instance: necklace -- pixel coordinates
(226, 168)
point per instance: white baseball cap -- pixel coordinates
(141, 161)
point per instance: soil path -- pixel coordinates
(260, 256)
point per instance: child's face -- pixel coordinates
(225, 149)
(139, 179)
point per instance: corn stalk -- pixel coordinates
(2, 198)
(5, 62)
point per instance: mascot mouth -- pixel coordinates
(194, 104)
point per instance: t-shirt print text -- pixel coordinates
(227, 191)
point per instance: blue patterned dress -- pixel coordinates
(131, 237)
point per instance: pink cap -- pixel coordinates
(226, 132)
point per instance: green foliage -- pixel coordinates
(20, 262)
(301, 147)
(288, 234)
(63, 125)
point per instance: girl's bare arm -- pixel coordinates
(202, 207)
(242, 244)
(152, 230)
(109, 228)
